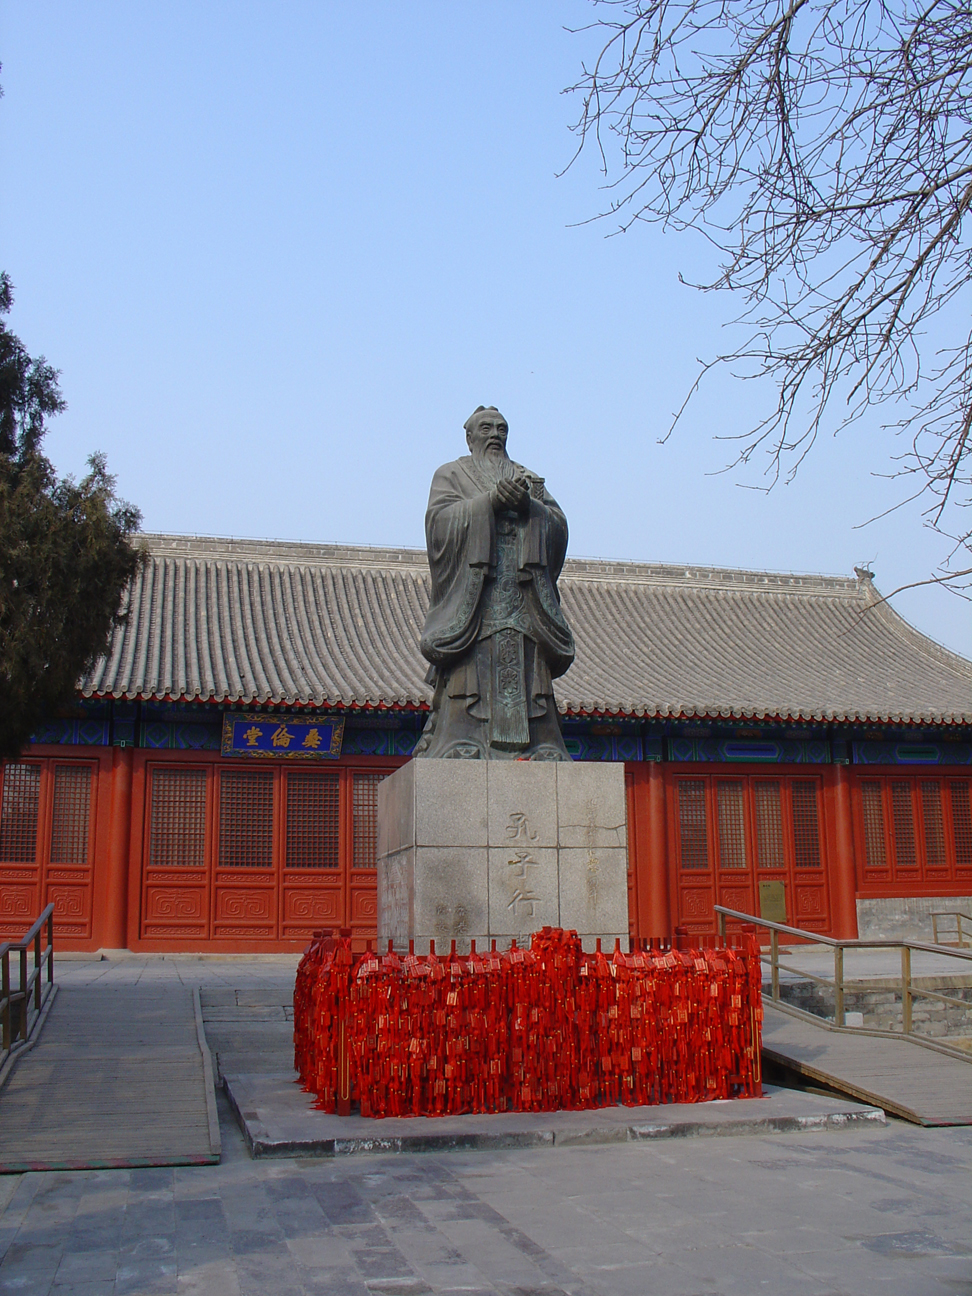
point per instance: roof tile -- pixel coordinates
(311, 625)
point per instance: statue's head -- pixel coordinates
(486, 431)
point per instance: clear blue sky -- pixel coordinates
(280, 251)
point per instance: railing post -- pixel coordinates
(50, 948)
(906, 996)
(935, 929)
(721, 926)
(37, 972)
(775, 962)
(5, 993)
(838, 985)
(24, 996)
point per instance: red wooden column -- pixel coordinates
(658, 903)
(115, 929)
(843, 873)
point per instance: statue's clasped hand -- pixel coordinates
(512, 494)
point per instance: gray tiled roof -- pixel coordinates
(301, 624)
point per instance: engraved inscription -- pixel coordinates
(520, 863)
(593, 863)
(523, 899)
(523, 903)
(518, 828)
(449, 921)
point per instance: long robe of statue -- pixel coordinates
(495, 633)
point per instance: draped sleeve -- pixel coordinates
(459, 535)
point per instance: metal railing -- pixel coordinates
(909, 991)
(31, 995)
(962, 936)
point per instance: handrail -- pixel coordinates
(909, 991)
(959, 917)
(15, 1005)
(856, 943)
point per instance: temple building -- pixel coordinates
(791, 747)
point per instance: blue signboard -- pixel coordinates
(290, 737)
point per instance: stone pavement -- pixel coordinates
(858, 1212)
(880, 1210)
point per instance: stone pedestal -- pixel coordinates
(497, 849)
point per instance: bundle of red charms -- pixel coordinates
(544, 1029)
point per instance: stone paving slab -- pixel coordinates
(278, 1119)
(867, 1211)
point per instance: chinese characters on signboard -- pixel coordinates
(293, 737)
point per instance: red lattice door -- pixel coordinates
(914, 834)
(693, 854)
(245, 902)
(789, 848)
(733, 831)
(21, 851)
(733, 842)
(313, 879)
(247, 857)
(47, 845)
(363, 879)
(176, 877)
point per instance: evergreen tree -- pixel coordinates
(66, 555)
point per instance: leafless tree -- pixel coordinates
(824, 147)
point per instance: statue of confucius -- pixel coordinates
(495, 633)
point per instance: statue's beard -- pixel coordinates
(493, 462)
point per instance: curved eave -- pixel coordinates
(598, 710)
(243, 700)
(575, 710)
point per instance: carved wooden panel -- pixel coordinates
(236, 905)
(55, 874)
(18, 908)
(811, 907)
(169, 904)
(364, 906)
(695, 908)
(10, 874)
(740, 898)
(158, 931)
(312, 907)
(72, 906)
(185, 877)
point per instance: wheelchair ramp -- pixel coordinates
(118, 1077)
(904, 1077)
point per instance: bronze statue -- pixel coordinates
(495, 633)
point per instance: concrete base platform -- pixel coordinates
(278, 1119)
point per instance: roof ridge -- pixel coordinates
(281, 552)
(708, 577)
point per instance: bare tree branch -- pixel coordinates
(824, 148)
